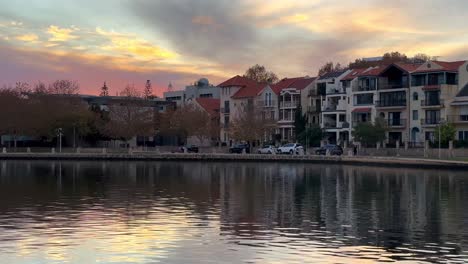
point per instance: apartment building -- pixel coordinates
(412, 99)
(200, 89)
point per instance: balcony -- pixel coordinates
(225, 110)
(393, 86)
(430, 122)
(290, 104)
(391, 103)
(335, 125)
(358, 122)
(364, 88)
(396, 122)
(435, 103)
(457, 119)
(267, 104)
(336, 91)
(313, 109)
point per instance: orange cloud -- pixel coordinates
(28, 37)
(61, 34)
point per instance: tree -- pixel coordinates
(104, 90)
(22, 88)
(391, 57)
(260, 74)
(447, 133)
(311, 136)
(66, 87)
(370, 134)
(130, 91)
(40, 88)
(329, 67)
(251, 124)
(128, 118)
(148, 93)
(395, 56)
(421, 58)
(300, 121)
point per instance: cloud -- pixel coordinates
(28, 37)
(61, 34)
(207, 30)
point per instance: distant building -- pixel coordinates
(201, 89)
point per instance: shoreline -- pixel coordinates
(218, 157)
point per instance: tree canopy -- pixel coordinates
(260, 74)
(369, 134)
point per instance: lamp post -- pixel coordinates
(59, 134)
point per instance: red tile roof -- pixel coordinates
(373, 71)
(446, 66)
(250, 90)
(409, 67)
(353, 74)
(210, 105)
(362, 110)
(298, 83)
(239, 81)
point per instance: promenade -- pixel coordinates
(222, 157)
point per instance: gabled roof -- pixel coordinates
(298, 83)
(373, 71)
(353, 74)
(333, 74)
(250, 90)
(445, 66)
(409, 67)
(239, 81)
(210, 105)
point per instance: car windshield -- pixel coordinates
(289, 145)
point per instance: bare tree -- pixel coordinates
(67, 87)
(40, 88)
(251, 124)
(148, 93)
(260, 74)
(104, 90)
(329, 67)
(130, 91)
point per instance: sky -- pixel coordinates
(127, 42)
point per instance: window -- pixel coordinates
(415, 115)
(415, 96)
(364, 99)
(393, 99)
(418, 80)
(463, 135)
(452, 78)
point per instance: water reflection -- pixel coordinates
(139, 212)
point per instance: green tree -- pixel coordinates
(369, 134)
(447, 133)
(311, 136)
(260, 74)
(300, 121)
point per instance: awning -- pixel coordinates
(431, 87)
(362, 110)
(459, 103)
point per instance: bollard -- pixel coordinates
(28, 150)
(78, 150)
(52, 150)
(350, 153)
(104, 150)
(301, 152)
(157, 151)
(243, 151)
(378, 145)
(4, 150)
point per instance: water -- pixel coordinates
(150, 212)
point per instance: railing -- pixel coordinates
(225, 110)
(458, 118)
(396, 122)
(264, 103)
(390, 103)
(335, 91)
(336, 125)
(363, 88)
(430, 121)
(435, 102)
(392, 86)
(290, 104)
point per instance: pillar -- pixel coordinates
(406, 145)
(52, 150)
(4, 150)
(28, 150)
(450, 149)
(78, 150)
(426, 148)
(104, 150)
(378, 145)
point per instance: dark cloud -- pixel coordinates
(206, 29)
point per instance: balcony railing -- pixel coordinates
(430, 121)
(390, 103)
(225, 110)
(364, 89)
(458, 118)
(432, 103)
(396, 122)
(335, 91)
(264, 103)
(336, 125)
(392, 86)
(290, 104)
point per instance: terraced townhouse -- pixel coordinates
(413, 99)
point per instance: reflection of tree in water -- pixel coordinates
(389, 208)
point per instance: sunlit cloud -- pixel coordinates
(28, 37)
(61, 34)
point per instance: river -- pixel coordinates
(194, 212)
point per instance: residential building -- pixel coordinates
(289, 92)
(211, 107)
(200, 89)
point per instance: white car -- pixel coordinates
(290, 148)
(267, 149)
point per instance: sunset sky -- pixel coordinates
(130, 41)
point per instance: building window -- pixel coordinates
(463, 135)
(415, 115)
(415, 96)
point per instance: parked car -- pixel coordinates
(331, 148)
(189, 148)
(290, 148)
(238, 148)
(267, 149)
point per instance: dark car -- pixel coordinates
(332, 149)
(238, 148)
(189, 148)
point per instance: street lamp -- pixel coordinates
(441, 122)
(59, 135)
